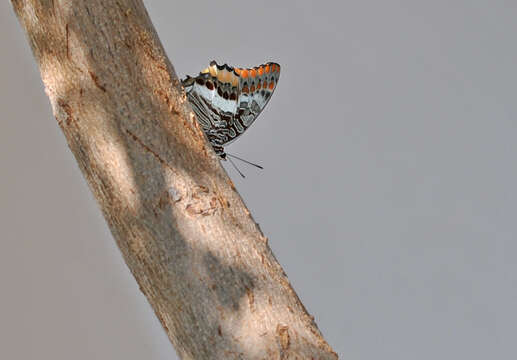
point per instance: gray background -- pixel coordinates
(389, 190)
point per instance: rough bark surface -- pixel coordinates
(184, 232)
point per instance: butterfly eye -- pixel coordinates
(210, 85)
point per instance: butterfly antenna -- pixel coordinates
(236, 168)
(246, 161)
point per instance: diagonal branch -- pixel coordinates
(184, 232)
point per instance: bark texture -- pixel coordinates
(184, 232)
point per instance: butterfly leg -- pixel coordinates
(219, 150)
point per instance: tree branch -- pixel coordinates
(184, 232)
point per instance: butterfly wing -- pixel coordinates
(227, 100)
(256, 87)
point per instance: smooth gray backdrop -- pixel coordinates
(389, 190)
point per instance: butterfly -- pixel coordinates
(227, 100)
